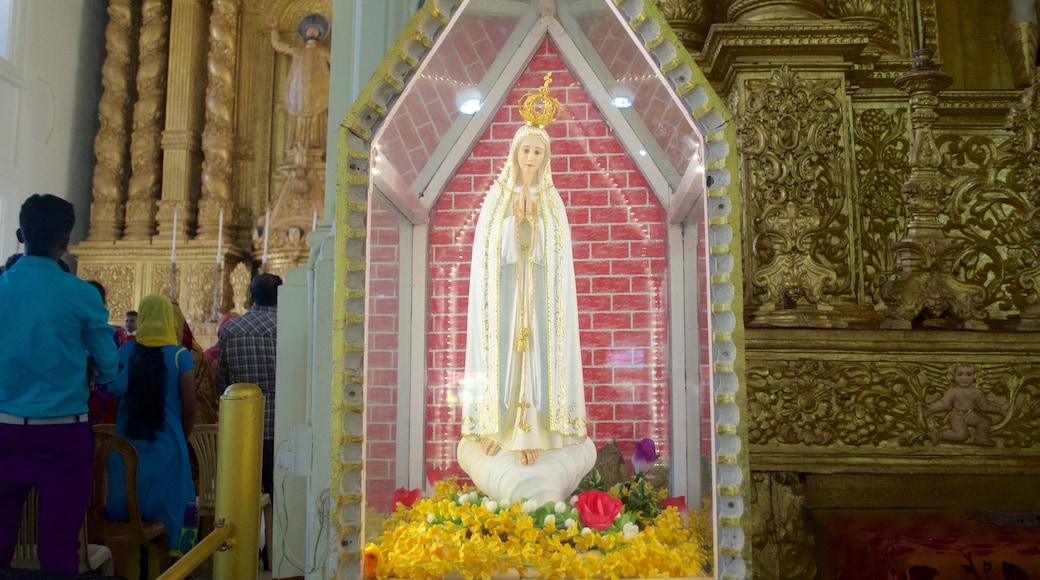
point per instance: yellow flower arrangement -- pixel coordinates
(461, 533)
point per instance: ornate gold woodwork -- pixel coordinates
(195, 136)
(878, 13)
(846, 403)
(145, 152)
(881, 149)
(800, 258)
(690, 19)
(781, 529)
(1023, 150)
(218, 137)
(119, 287)
(114, 114)
(930, 283)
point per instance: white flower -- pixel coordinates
(569, 523)
(467, 497)
(586, 530)
(549, 519)
(490, 505)
(429, 518)
(630, 530)
(529, 506)
(574, 499)
(560, 507)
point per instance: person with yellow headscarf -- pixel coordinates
(157, 412)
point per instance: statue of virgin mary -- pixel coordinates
(523, 394)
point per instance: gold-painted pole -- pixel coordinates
(239, 450)
(185, 565)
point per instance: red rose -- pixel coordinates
(406, 497)
(597, 509)
(678, 503)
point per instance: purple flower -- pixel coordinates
(645, 455)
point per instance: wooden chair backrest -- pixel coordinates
(29, 533)
(106, 443)
(203, 441)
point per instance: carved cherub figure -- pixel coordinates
(967, 407)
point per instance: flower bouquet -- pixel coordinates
(628, 530)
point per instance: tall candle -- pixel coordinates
(173, 250)
(220, 236)
(314, 220)
(267, 228)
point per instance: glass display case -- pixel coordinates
(632, 163)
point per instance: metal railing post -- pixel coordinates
(239, 452)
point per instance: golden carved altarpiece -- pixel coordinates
(869, 205)
(192, 124)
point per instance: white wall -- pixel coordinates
(49, 93)
(362, 33)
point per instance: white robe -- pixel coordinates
(548, 374)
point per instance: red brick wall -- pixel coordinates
(619, 248)
(382, 339)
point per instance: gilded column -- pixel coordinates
(145, 154)
(184, 110)
(218, 136)
(691, 20)
(926, 257)
(106, 210)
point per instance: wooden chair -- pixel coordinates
(122, 537)
(203, 440)
(26, 555)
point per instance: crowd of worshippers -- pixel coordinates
(64, 369)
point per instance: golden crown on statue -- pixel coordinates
(539, 109)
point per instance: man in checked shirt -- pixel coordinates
(247, 346)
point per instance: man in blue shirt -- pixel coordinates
(52, 322)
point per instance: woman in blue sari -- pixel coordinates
(156, 413)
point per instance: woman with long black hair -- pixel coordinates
(156, 413)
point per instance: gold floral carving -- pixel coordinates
(106, 211)
(782, 537)
(145, 152)
(986, 219)
(218, 136)
(196, 291)
(119, 286)
(690, 19)
(1023, 149)
(930, 283)
(881, 149)
(880, 13)
(825, 403)
(799, 234)
(161, 279)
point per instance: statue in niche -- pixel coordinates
(307, 84)
(240, 278)
(1021, 40)
(966, 407)
(523, 396)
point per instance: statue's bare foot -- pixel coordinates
(489, 446)
(528, 456)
